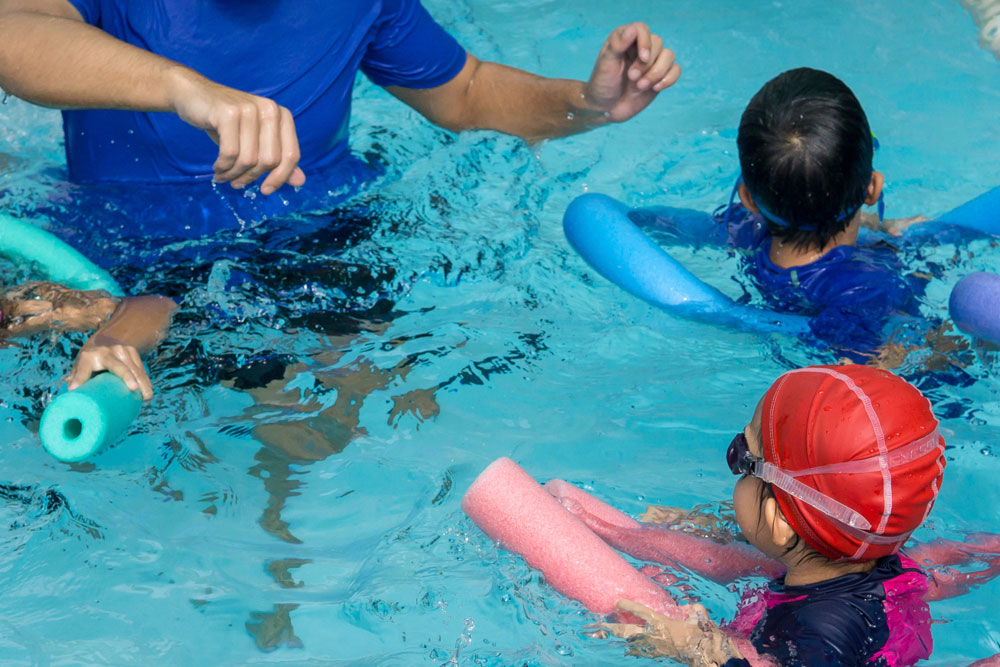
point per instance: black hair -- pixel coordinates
(806, 154)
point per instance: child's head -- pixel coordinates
(806, 154)
(846, 459)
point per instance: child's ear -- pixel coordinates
(747, 199)
(874, 188)
(781, 533)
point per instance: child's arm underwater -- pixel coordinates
(890, 226)
(136, 327)
(718, 556)
(697, 641)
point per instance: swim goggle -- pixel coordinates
(846, 214)
(742, 462)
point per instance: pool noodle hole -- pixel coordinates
(72, 429)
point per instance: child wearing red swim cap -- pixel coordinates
(839, 465)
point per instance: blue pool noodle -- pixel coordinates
(599, 229)
(81, 422)
(982, 214)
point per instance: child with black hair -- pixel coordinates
(806, 151)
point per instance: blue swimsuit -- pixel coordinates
(850, 293)
(303, 54)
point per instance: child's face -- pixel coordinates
(748, 495)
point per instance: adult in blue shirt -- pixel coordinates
(269, 82)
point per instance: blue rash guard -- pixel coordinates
(303, 54)
(874, 619)
(849, 293)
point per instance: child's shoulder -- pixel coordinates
(847, 614)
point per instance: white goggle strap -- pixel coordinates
(824, 503)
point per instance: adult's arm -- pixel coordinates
(631, 69)
(51, 57)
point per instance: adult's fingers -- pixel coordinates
(227, 135)
(656, 69)
(287, 169)
(661, 71)
(621, 39)
(643, 42)
(669, 79)
(268, 154)
(249, 137)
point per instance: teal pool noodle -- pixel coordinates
(24, 242)
(84, 421)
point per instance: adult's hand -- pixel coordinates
(631, 70)
(255, 135)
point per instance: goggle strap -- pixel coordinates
(732, 198)
(824, 503)
(900, 456)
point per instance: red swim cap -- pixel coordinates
(877, 424)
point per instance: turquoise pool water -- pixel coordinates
(438, 321)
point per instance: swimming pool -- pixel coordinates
(437, 321)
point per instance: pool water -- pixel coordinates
(337, 378)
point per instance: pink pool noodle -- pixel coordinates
(513, 509)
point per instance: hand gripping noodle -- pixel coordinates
(513, 509)
(854, 457)
(80, 422)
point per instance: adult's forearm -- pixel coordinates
(64, 63)
(515, 102)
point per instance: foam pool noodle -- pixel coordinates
(81, 422)
(514, 510)
(27, 244)
(975, 305)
